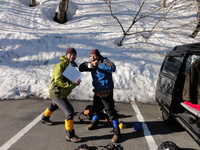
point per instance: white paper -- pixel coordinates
(72, 74)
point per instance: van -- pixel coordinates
(177, 91)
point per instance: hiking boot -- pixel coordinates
(92, 126)
(70, 136)
(115, 138)
(116, 135)
(46, 121)
(74, 139)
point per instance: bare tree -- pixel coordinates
(150, 32)
(197, 29)
(33, 3)
(61, 15)
(137, 17)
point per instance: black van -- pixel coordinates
(177, 91)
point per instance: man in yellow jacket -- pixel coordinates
(60, 87)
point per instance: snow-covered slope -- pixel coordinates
(31, 43)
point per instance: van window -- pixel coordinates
(171, 65)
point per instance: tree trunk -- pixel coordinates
(61, 15)
(197, 29)
(163, 3)
(33, 3)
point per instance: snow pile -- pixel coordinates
(31, 44)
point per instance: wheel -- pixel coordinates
(167, 118)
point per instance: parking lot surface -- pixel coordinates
(21, 129)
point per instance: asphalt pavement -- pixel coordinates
(21, 129)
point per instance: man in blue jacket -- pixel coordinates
(101, 69)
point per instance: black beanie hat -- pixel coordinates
(71, 50)
(95, 51)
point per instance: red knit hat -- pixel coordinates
(71, 50)
(95, 51)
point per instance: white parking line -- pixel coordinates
(150, 140)
(15, 138)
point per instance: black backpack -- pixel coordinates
(88, 114)
(168, 145)
(110, 146)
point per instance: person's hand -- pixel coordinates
(78, 82)
(86, 63)
(95, 63)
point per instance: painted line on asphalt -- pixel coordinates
(15, 138)
(150, 140)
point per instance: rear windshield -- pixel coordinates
(171, 66)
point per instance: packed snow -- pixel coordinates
(31, 44)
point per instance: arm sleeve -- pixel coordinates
(82, 68)
(107, 66)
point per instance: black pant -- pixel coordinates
(106, 103)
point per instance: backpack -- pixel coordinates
(168, 145)
(111, 146)
(88, 114)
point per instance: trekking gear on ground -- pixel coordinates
(111, 146)
(83, 147)
(88, 113)
(168, 145)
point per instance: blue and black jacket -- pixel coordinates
(102, 74)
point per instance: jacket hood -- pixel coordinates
(63, 58)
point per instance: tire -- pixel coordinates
(167, 118)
